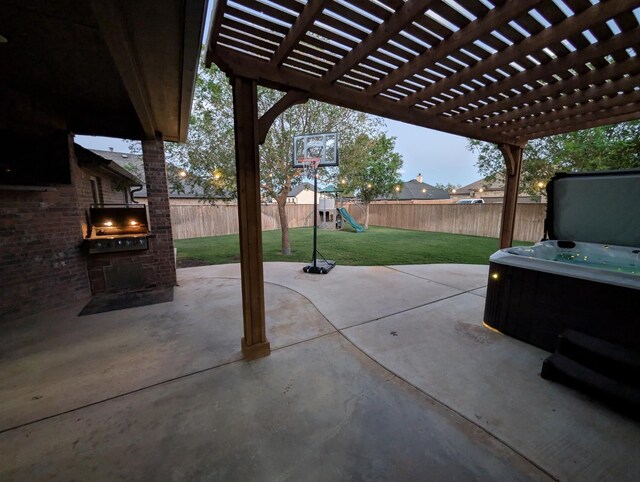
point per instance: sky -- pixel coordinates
(439, 157)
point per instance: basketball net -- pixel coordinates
(310, 165)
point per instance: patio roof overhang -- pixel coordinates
(111, 68)
(499, 71)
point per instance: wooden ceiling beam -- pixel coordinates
(575, 59)
(595, 14)
(113, 29)
(390, 27)
(595, 78)
(492, 20)
(299, 29)
(562, 117)
(265, 73)
(616, 115)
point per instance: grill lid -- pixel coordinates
(112, 220)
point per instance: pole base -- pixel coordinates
(257, 350)
(321, 267)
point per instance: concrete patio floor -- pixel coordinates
(381, 373)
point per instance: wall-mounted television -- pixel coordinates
(34, 159)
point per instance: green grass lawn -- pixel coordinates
(377, 246)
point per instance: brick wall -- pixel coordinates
(159, 211)
(42, 263)
(158, 263)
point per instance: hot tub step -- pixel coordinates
(611, 360)
(561, 369)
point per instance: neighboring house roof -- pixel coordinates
(87, 157)
(134, 163)
(301, 187)
(414, 189)
(496, 185)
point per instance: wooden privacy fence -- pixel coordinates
(471, 219)
(199, 220)
(195, 221)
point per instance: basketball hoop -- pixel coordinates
(309, 164)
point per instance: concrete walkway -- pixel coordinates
(379, 373)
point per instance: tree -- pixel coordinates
(447, 187)
(206, 162)
(208, 157)
(609, 147)
(278, 175)
(371, 169)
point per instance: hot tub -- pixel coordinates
(590, 284)
(535, 293)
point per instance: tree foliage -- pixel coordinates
(371, 169)
(601, 148)
(447, 187)
(208, 157)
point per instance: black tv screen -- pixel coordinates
(32, 159)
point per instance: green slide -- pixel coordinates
(347, 217)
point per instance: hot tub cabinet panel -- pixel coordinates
(535, 306)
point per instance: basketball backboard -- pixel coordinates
(323, 146)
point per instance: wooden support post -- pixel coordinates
(513, 160)
(245, 108)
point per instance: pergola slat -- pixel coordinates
(612, 115)
(594, 77)
(311, 10)
(394, 24)
(267, 74)
(597, 13)
(457, 40)
(565, 116)
(580, 57)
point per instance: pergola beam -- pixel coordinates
(530, 76)
(402, 17)
(615, 115)
(566, 86)
(267, 74)
(573, 25)
(600, 88)
(476, 28)
(311, 10)
(606, 111)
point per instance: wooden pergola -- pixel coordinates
(495, 70)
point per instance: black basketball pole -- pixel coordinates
(325, 265)
(315, 217)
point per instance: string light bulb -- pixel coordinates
(183, 173)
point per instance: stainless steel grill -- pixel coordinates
(122, 227)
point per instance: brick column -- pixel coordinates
(159, 212)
